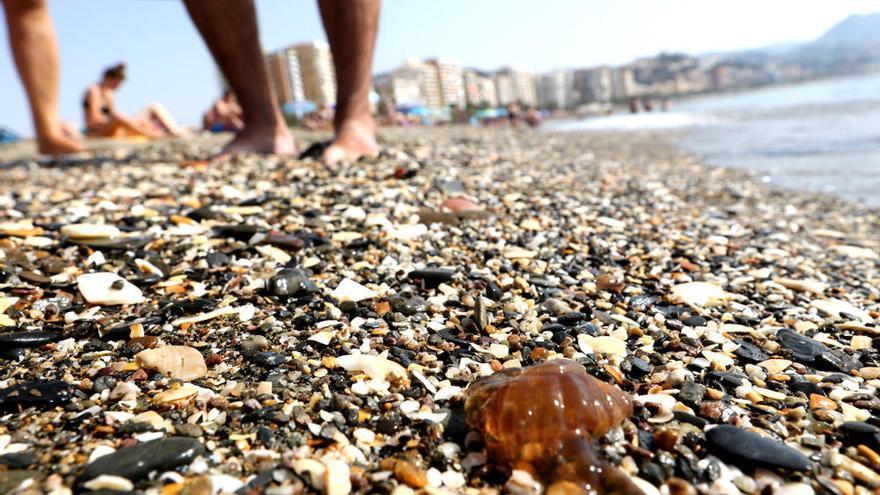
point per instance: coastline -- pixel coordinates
(669, 277)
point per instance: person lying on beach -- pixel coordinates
(103, 120)
(224, 115)
(320, 120)
(35, 51)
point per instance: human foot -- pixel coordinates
(59, 145)
(261, 140)
(355, 138)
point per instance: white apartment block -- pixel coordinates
(316, 69)
(450, 80)
(556, 90)
(419, 74)
(479, 89)
(284, 74)
(522, 85)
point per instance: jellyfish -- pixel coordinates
(543, 420)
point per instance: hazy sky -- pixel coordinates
(168, 63)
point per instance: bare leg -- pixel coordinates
(157, 113)
(351, 27)
(229, 28)
(122, 126)
(35, 50)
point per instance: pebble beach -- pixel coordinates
(171, 326)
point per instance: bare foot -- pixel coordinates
(261, 140)
(59, 145)
(355, 138)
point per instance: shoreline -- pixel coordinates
(671, 279)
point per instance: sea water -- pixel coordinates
(820, 136)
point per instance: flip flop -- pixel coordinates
(316, 150)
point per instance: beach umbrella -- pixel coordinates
(485, 113)
(299, 108)
(490, 113)
(415, 110)
(7, 136)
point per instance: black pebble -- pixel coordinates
(803, 349)
(751, 450)
(269, 359)
(855, 433)
(493, 292)
(13, 340)
(37, 394)
(691, 393)
(137, 461)
(242, 232)
(290, 282)
(432, 277)
(637, 367)
(695, 321)
(18, 460)
(750, 352)
(215, 259)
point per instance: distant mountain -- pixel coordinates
(850, 46)
(856, 31)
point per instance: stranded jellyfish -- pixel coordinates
(543, 420)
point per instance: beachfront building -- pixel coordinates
(479, 89)
(556, 90)
(412, 74)
(623, 84)
(316, 70)
(593, 85)
(450, 80)
(722, 77)
(405, 92)
(284, 74)
(522, 86)
(504, 89)
(487, 92)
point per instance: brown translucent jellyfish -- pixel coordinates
(543, 420)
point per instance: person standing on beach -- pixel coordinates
(35, 51)
(229, 29)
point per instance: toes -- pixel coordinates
(333, 154)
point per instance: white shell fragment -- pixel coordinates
(90, 231)
(108, 289)
(662, 403)
(177, 361)
(834, 307)
(381, 372)
(349, 290)
(855, 251)
(699, 293)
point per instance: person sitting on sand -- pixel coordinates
(103, 120)
(224, 114)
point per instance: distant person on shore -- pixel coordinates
(103, 120)
(665, 105)
(224, 115)
(648, 104)
(35, 51)
(514, 114)
(634, 105)
(533, 118)
(229, 28)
